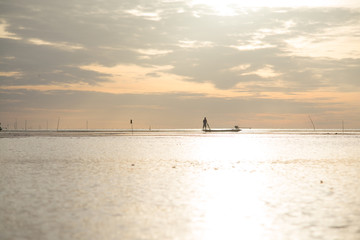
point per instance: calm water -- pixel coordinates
(254, 184)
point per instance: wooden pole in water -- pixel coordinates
(343, 130)
(132, 129)
(312, 122)
(57, 128)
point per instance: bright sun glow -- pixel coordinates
(228, 7)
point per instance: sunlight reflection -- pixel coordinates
(231, 190)
(232, 208)
(227, 149)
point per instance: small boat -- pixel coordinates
(235, 129)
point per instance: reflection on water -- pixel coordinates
(180, 186)
(233, 208)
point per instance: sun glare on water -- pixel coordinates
(233, 208)
(230, 198)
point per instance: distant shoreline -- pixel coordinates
(165, 132)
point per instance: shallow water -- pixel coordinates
(180, 185)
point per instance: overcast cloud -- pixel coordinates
(169, 63)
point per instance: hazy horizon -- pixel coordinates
(168, 64)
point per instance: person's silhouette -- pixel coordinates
(205, 123)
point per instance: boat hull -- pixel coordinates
(222, 130)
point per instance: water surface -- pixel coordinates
(254, 184)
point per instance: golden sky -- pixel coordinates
(169, 63)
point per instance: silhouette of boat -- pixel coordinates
(235, 129)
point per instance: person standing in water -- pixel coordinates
(205, 123)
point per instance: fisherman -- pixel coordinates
(205, 123)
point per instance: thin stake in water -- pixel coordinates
(132, 129)
(57, 128)
(312, 122)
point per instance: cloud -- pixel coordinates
(265, 72)
(146, 15)
(104, 110)
(61, 45)
(10, 74)
(4, 33)
(194, 44)
(180, 47)
(335, 42)
(224, 7)
(199, 49)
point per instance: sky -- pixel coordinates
(168, 63)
